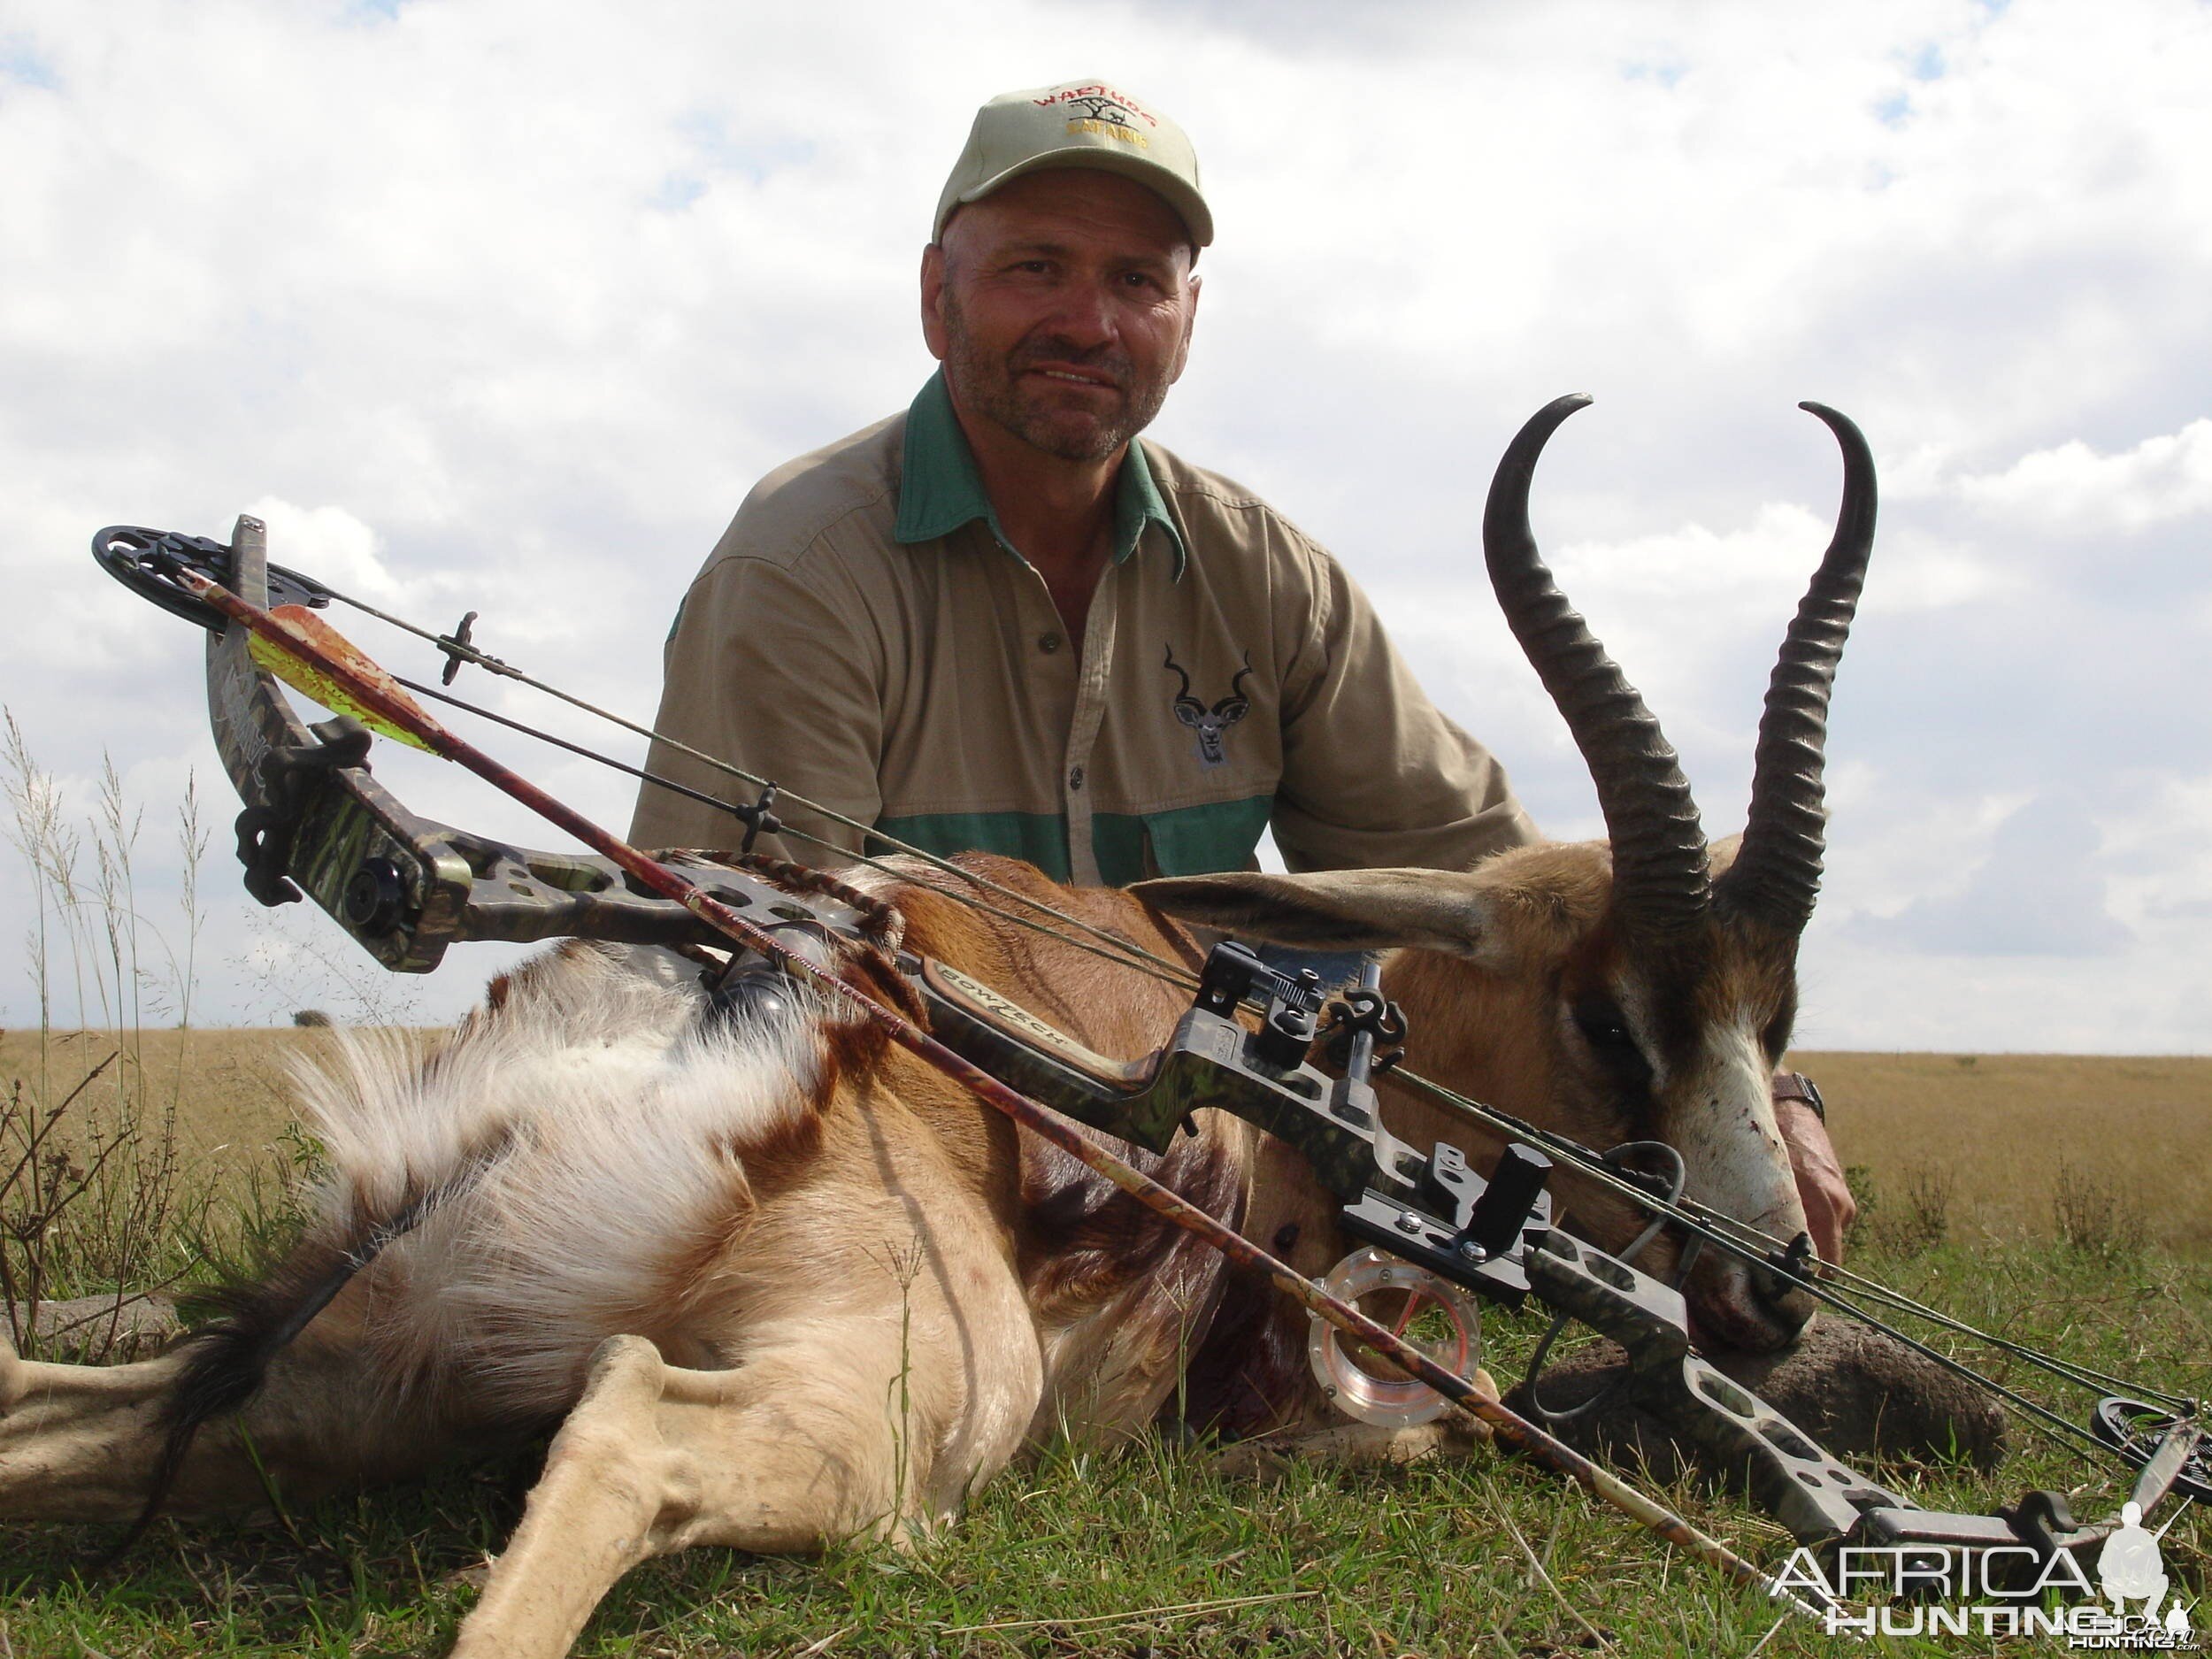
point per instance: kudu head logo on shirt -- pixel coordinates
(1211, 724)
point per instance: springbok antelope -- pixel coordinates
(774, 1283)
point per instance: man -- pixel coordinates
(999, 622)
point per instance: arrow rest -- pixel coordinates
(1361, 1011)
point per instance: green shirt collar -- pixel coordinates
(939, 488)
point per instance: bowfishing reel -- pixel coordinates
(147, 562)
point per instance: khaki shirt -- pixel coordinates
(864, 635)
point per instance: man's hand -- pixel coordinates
(1830, 1209)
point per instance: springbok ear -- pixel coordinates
(1722, 853)
(1336, 910)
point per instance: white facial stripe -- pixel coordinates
(1723, 1123)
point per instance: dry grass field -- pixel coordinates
(231, 1089)
(1978, 1143)
(1998, 1139)
(1983, 1170)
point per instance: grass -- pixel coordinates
(91, 1195)
(1150, 1550)
(230, 1090)
(1144, 1550)
(1995, 1150)
(143, 1153)
(2132, 1133)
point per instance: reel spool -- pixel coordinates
(1431, 1315)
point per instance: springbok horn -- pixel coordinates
(1660, 880)
(1777, 872)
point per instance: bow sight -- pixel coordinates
(405, 887)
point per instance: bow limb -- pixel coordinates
(318, 823)
(315, 821)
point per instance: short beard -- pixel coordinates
(992, 387)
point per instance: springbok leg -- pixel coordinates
(81, 1443)
(804, 1443)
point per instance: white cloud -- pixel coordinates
(2039, 892)
(2161, 879)
(329, 541)
(2160, 479)
(1927, 853)
(502, 306)
(1916, 570)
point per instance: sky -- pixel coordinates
(503, 306)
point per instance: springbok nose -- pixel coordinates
(1779, 1294)
(1744, 1306)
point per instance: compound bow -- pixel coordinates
(316, 821)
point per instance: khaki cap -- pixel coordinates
(1078, 124)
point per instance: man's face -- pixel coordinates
(1061, 306)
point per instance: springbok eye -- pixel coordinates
(1602, 1025)
(1605, 1028)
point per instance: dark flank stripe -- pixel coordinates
(230, 1356)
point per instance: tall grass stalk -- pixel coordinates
(91, 1204)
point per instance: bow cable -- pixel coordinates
(1691, 1222)
(1127, 955)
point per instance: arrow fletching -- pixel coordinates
(310, 681)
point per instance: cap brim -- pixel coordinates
(1163, 182)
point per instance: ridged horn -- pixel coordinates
(1660, 880)
(1777, 872)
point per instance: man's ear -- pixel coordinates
(1339, 910)
(1190, 322)
(933, 334)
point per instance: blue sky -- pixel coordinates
(503, 307)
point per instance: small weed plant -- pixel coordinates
(2096, 1216)
(1906, 1217)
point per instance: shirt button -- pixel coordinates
(1075, 778)
(1049, 643)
